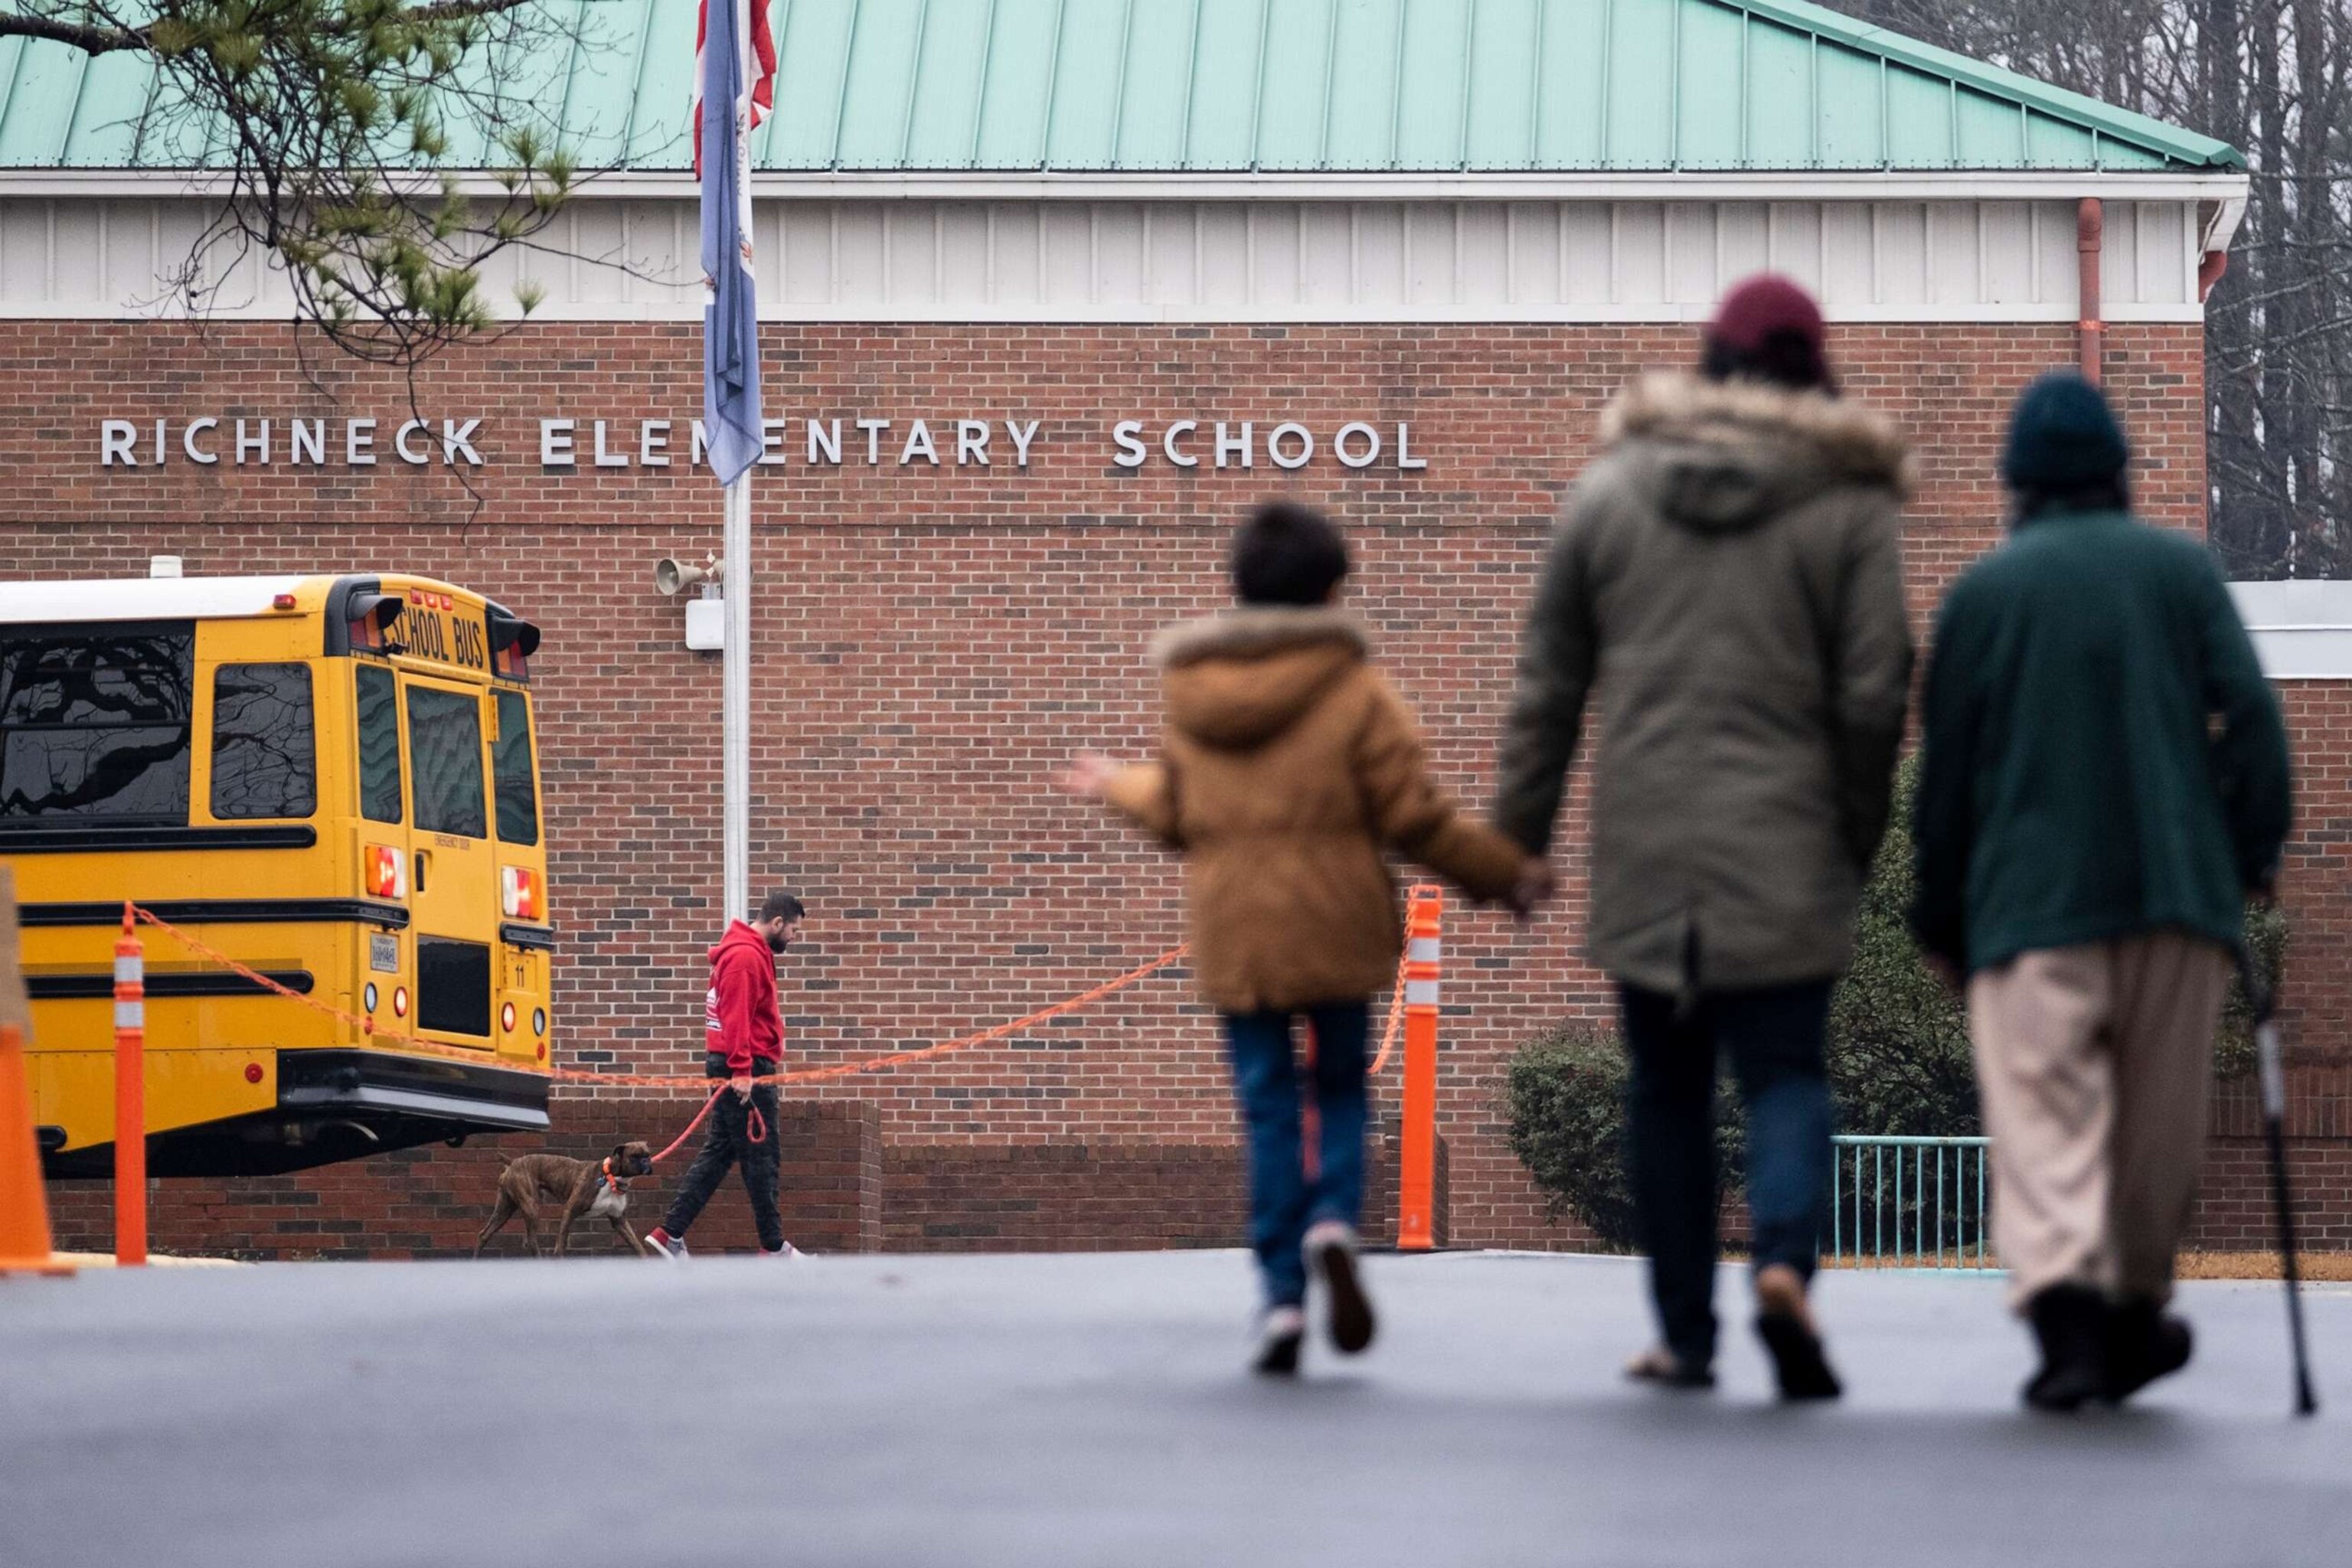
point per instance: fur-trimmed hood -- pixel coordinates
(1730, 453)
(1239, 679)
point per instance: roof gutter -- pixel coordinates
(2226, 189)
(2213, 242)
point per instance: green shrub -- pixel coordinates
(1565, 1101)
(1898, 1040)
(2267, 941)
(1898, 1055)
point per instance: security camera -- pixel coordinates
(673, 576)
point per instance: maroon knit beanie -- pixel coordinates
(1761, 307)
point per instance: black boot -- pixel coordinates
(2070, 1321)
(2144, 1343)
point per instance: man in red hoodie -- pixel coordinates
(745, 1035)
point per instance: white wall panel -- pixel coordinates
(76, 256)
(1849, 258)
(2005, 238)
(804, 254)
(1483, 268)
(1955, 255)
(1743, 240)
(1430, 243)
(1381, 265)
(1270, 261)
(1172, 255)
(963, 253)
(1900, 263)
(1589, 230)
(1794, 242)
(132, 269)
(1119, 252)
(2053, 245)
(1637, 266)
(2119, 252)
(1690, 251)
(911, 251)
(1017, 264)
(1224, 252)
(859, 251)
(1532, 250)
(600, 249)
(1274, 255)
(24, 254)
(652, 244)
(1327, 257)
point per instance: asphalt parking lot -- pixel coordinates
(1092, 1409)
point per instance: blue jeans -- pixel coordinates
(1773, 1036)
(1283, 1202)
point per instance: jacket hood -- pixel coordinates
(1730, 454)
(737, 936)
(1239, 678)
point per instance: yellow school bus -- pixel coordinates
(332, 781)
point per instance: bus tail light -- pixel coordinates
(506, 1017)
(519, 892)
(512, 642)
(387, 872)
(372, 619)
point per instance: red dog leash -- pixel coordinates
(755, 1126)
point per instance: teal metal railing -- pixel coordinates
(1910, 1203)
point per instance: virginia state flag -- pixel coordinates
(729, 100)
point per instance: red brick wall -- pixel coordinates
(2234, 1211)
(932, 643)
(1098, 1196)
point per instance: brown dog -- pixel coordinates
(582, 1188)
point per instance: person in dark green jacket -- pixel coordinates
(2104, 783)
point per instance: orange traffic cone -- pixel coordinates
(24, 1206)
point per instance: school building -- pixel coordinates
(1053, 290)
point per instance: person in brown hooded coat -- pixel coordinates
(1727, 577)
(1287, 767)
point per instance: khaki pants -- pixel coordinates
(2094, 1064)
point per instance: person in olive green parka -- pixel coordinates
(2104, 783)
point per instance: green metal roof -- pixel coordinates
(1276, 86)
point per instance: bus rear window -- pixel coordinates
(265, 742)
(379, 745)
(445, 756)
(94, 724)
(511, 762)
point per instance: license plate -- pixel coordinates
(383, 954)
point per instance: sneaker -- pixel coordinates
(1331, 1248)
(787, 1252)
(2144, 1343)
(661, 1243)
(1279, 1335)
(1662, 1368)
(2070, 1321)
(1784, 1321)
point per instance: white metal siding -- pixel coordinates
(1213, 261)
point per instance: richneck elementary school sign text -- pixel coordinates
(595, 445)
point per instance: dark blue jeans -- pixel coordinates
(1773, 1036)
(1283, 1202)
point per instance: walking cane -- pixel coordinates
(2261, 1001)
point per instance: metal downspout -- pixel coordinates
(2090, 225)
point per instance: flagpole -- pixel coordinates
(735, 706)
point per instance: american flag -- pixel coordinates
(763, 56)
